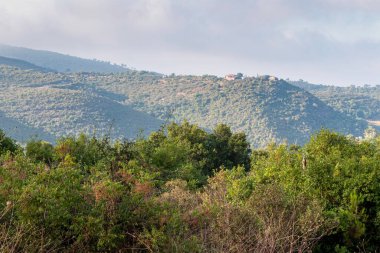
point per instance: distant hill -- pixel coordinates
(265, 108)
(62, 108)
(362, 102)
(59, 62)
(21, 64)
(306, 85)
(22, 132)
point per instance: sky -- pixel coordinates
(335, 42)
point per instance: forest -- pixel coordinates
(57, 104)
(358, 101)
(185, 189)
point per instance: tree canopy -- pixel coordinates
(184, 189)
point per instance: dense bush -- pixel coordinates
(7, 144)
(183, 189)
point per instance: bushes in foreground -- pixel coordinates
(185, 190)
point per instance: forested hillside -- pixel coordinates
(49, 103)
(361, 102)
(20, 64)
(121, 103)
(21, 131)
(265, 109)
(59, 62)
(183, 189)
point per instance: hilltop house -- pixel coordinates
(230, 77)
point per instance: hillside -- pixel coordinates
(361, 102)
(22, 132)
(59, 62)
(68, 108)
(21, 64)
(266, 109)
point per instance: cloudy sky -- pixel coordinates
(322, 41)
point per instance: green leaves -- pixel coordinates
(183, 189)
(40, 151)
(7, 144)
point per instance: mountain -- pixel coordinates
(59, 62)
(21, 64)
(362, 102)
(264, 107)
(67, 108)
(22, 132)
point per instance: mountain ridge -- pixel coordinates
(362, 102)
(22, 64)
(59, 62)
(264, 107)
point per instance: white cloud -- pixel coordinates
(309, 39)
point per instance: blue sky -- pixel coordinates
(323, 41)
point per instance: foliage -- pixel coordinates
(7, 144)
(183, 189)
(121, 104)
(357, 101)
(41, 151)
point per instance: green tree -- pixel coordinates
(41, 151)
(7, 144)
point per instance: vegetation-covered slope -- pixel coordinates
(357, 101)
(265, 108)
(57, 61)
(21, 131)
(20, 64)
(61, 108)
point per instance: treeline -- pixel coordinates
(183, 189)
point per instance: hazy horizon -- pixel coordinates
(332, 42)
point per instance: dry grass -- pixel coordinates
(266, 223)
(15, 237)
